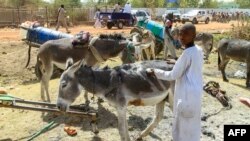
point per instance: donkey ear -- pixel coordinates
(69, 63)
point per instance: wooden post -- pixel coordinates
(46, 14)
(72, 18)
(13, 17)
(18, 14)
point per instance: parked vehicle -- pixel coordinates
(176, 15)
(141, 14)
(117, 19)
(196, 16)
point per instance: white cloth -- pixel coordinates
(188, 93)
(98, 23)
(127, 8)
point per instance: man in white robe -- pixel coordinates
(127, 8)
(187, 72)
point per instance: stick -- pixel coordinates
(83, 114)
(44, 129)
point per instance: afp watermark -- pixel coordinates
(236, 132)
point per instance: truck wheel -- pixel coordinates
(195, 21)
(207, 21)
(120, 25)
(183, 22)
(109, 25)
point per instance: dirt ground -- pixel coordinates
(21, 82)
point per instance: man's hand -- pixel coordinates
(245, 101)
(171, 61)
(150, 72)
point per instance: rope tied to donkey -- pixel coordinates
(94, 51)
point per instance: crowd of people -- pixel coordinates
(225, 17)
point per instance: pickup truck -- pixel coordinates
(117, 19)
(196, 16)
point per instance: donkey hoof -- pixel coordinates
(139, 139)
(100, 100)
(87, 102)
(225, 80)
(248, 86)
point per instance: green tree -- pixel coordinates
(243, 3)
(67, 3)
(22, 3)
(189, 3)
(209, 4)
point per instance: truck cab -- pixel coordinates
(196, 16)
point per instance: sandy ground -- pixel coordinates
(21, 82)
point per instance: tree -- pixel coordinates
(243, 3)
(22, 3)
(189, 3)
(209, 4)
(67, 3)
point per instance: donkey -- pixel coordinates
(205, 40)
(144, 42)
(93, 50)
(236, 49)
(122, 86)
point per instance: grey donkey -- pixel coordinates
(235, 49)
(92, 49)
(121, 86)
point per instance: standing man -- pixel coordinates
(61, 19)
(169, 41)
(97, 19)
(187, 73)
(117, 7)
(127, 8)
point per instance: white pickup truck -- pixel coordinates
(196, 16)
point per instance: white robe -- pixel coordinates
(127, 8)
(188, 93)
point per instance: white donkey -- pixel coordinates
(122, 86)
(147, 44)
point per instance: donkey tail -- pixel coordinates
(219, 60)
(38, 71)
(28, 61)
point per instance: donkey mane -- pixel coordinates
(115, 36)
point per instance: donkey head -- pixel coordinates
(206, 43)
(82, 38)
(69, 87)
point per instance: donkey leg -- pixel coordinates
(42, 90)
(223, 65)
(46, 78)
(147, 53)
(159, 109)
(122, 123)
(152, 47)
(248, 74)
(86, 98)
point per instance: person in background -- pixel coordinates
(187, 73)
(61, 19)
(117, 7)
(97, 19)
(169, 41)
(127, 8)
